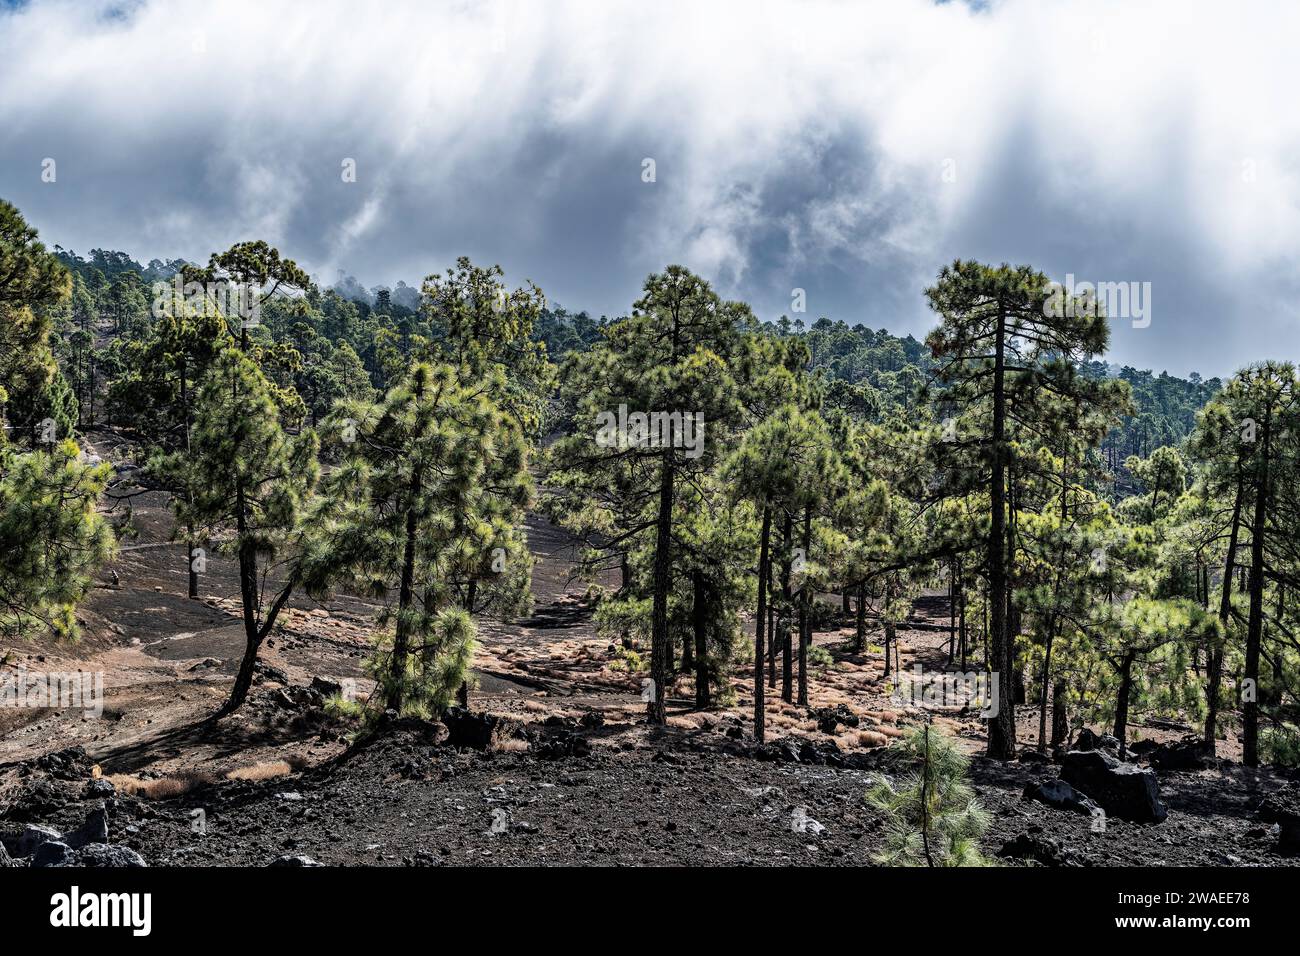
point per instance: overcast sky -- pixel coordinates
(848, 150)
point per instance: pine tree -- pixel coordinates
(478, 325)
(676, 357)
(1247, 437)
(154, 396)
(933, 818)
(780, 463)
(1006, 342)
(33, 284)
(429, 500)
(251, 274)
(250, 485)
(51, 537)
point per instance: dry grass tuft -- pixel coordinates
(686, 721)
(870, 738)
(164, 788)
(265, 770)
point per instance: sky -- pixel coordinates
(847, 150)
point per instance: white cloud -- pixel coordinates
(796, 144)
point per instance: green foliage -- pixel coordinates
(1280, 746)
(644, 503)
(33, 283)
(423, 679)
(476, 324)
(51, 537)
(247, 481)
(932, 817)
(425, 512)
(818, 656)
(627, 659)
(247, 485)
(336, 705)
(1163, 476)
(1147, 561)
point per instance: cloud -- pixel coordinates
(845, 149)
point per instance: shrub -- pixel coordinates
(818, 656)
(1280, 746)
(626, 659)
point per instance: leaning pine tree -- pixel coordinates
(250, 486)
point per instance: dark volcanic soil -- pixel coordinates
(405, 799)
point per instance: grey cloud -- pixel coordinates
(796, 146)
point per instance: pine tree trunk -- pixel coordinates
(759, 620)
(1255, 622)
(193, 580)
(787, 644)
(471, 592)
(660, 646)
(405, 598)
(961, 619)
(192, 589)
(243, 679)
(773, 618)
(805, 615)
(984, 637)
(1060, 714)
(860, 635)
(1121, 700)
(1214, 654)
(1047, 676)
(1002, 726)
(890, 640)
(952, 615)
(699, 616)
(248, 596)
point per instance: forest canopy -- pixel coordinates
(1113, 541)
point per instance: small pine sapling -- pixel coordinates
(933, 819)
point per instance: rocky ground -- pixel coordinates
(585, 796)
(563, 772)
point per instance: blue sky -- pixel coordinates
(845, 149)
